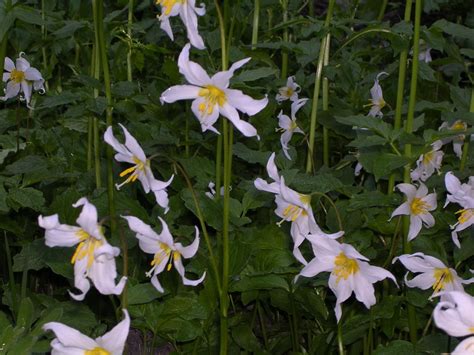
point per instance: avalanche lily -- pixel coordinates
(132, 153)
(212, 96)
(94, 258)
(454, 313)
(288, 92)
(377, 102)
(165, 251)
(458, 141)
(429, 162)
(350, 272)
(433, 273)
(466, 347)
(288, 125)
(70, 341)
(212, 191)
(417, 206)
(21, 78)
(188, 11)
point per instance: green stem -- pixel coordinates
(98, 8)
(317, 86)
(129, 35)
(95, 122)
(284, 54)
(326, 102)
(402, 69)
(43, 37)
(10, 275)
(465, 149)
(262, 324)
(256, 17)
(340, 344)
(383, 7)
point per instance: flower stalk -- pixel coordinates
(326, 102)
(284, 54)
(465, 149)
(129, 37)
(256, 18)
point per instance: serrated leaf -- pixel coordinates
(27, 197)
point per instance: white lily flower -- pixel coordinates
(433, 273)
(350, 272)
(292, 207)
(458, 141)
(417, 206)
(165, 250)
(466, 347)
(94, 258)
(212, 191)
(288, 92)
(132, 153)
(288, 125)
(429, 162)
(462, 194)
(212, 96)
(21, 78)
(188, 11)
(454, 313)
(70, 341)
(377, 102)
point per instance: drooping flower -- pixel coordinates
(454, 313)
(165, 251)
(21, 78)
(292, 207)
(132, 153)
(462, 194)
(188, 11)
(94, 258)
(433, 273)
(417, 206)
(429, 162)
(288, 92)
(212, 191)
(289, 126)
(212, 96)
(70, 341)
(458, 141)
(377, 102)
(350, 272)
(466, 347)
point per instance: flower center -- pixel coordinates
(442, 276)
(165, 253)
(459, 126)
(97, 351)
(168, 5)
(306, 199)
(140, 166)
(344, 267)
(17, 76)
(212, 96)
(465, 215)
(428, 157)
(86, 248)
(418, 206)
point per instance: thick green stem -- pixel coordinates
(256, 18)
(465, 149)
(98, 8)
(402, 69)
(326, 103)
(340, 344)
(284, 54)
(129, 37)
(383, 7)
(317, 86)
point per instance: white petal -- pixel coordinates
(189, 18)
(428, 219)
(466, 347)
(403, 209)
(245, 103)
(133, 146)
(221, 79)
(272, 169)
(178, 264)
(408, 189)
(180, 92)
(103, 273)
(165, 235)
(88, 218)
(364, 290)
(22, 64)
(191, 249)
(158, 270)
(165, 26)
(431, 200)
(70, 337)
(33, 74)
(148, 237)
(26, 88)
(454, 315)
(192, 71)
(244, 127)
(80, 280)
(207, 120)
(8, 64)
(56, 234)
(423, 281)
(114, 341)
(415, 227)
(12, 90)
(262, 185)
(110, 139)
(422, 190)
(315, 267)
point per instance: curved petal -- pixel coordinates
(166, 26)
(408, 189)
(8, 64)
(262, 185)
(165, 235)
(132, 145)
(103, 273)
(149, 239)
(454, 315)
(415, 227)
(80, 280)
(56, 234)
(245, 103)
(364, 290)
(189, 18)
(192, 71)
(69, 337)
(178, 264)
(22, 64)
(26, 88)
(88, 218)
(423, 281)
(191, 249)
(180, 92)
(114, 341)
(33, 74)
(465, 347)
(221, 79)
(315, 267)
(244, 127)
(206, 118)
(428, 219)
(12, 90)
(110, 139)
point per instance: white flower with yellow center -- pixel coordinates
(21, 78)
(377, 102)
(428, 163)
(188, 11)
(433, 273)
(132, 153)
(72, 342)
(166, 252)
(458, 141)
(350, 272)
(289, 126)
(292, 207)
(212, 96)
(462, 194)
(94, 258)
(455, 313)
(417, 206)
(288, 92)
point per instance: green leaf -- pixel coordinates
(256, 74)
(142, 293)
(382, 164)
(28, 14)
(260, 282)
(28, 164)
(245, 338)
(26, 197)
(251, 156)
(25, 314)
(323, 183)
(396, 347)
(6, 19)
(454, 29)
(31, 257)
(371, 199)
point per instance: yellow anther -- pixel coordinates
(17, 76)
(212, 96)
(87, 248)
(97, 351)
(465, 215)
(459, 126)
(344, 267)
(168, 5)
(442, 276)
(418, 206)
(128, 171)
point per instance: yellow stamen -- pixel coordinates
(17, 76)
(442, 276)
(459, 126)
(418, 206)
(86, 248)
(139, 166)
(168, 5)
(465, 215)
(428, 157)
(344, 267)
(128, 171)
(306, 199)
(97, 351)
(212, 96)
